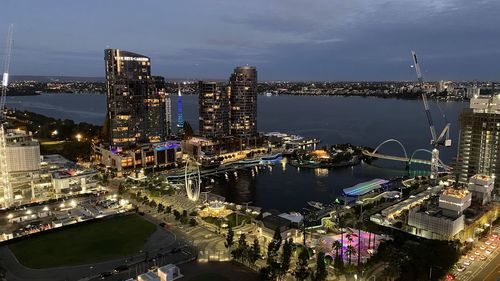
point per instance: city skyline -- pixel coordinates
(329, 40)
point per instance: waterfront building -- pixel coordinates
(479, 147)
(161, 154)
(481, 187)
(242, 92)
(213, 110)
(136, 101)
(180, 114)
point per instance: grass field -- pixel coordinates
(85, 244)
(208, 277)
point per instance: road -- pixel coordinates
(487, 269)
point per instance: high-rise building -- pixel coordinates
(180, 114)
(479, 148)
(243, 101)
(137, 108)
(213, 110)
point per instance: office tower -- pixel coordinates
(168, 115)
(136, 110)
(180, 115)
(243, 101)
(213, 110)
(479, 148)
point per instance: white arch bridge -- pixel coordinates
(405, 158)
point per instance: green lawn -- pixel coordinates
(209, 277)
(86, 244)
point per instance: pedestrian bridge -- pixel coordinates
(404, 158)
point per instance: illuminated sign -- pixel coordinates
(134, 59)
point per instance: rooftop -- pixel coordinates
(365, 187)
(458, 193)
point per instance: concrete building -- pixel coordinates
(479, 148)
(137, 107)
(481, 187)
(453, 202)
(169, 272)
(213, 110)
(433, 224)
(243, 101)
(148, 276)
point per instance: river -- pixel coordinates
(358, 120)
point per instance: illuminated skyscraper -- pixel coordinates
(213, 110)
(136, 101)
(479, 148)
(243, 101)
(180, 116)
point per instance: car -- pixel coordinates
(120, 268)
(477, 253)
(472, 258)
(488, 242)
(493, 246)
(482, 258)
(488, 252)
(105, 274)
(467, 263)
(460, 268)
(482, 247)
(162, 224)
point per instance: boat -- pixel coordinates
(316, 205)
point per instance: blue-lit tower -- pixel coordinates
(180, 117)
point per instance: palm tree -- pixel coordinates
(349, 238)
(337, 246)
(350, 251)
(341, 226)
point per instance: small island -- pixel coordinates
(335, 156)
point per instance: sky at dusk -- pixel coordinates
(331, 40)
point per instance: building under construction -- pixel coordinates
(479, 148)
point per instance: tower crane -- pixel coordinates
(4, 172)
(436, 141)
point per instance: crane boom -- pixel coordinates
(417, 68)
(5, 184)
(6, 65)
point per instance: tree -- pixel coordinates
(254, 253)
(177, 215)
(160, 208)
(192, 222)
(229, 238)
(286, 256)
(336, 246)
(302, 270)
(349, 252)
(328, 224)
(321, 272)
(152, 204)
(241, 252)
(273, 268)
(168, 210)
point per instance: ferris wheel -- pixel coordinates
(192, 179)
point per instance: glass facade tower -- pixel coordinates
(136, 101)
(242, 91)
(213, 110)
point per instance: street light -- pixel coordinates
(78, 137)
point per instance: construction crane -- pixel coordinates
(4, 172)
(444, 137)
